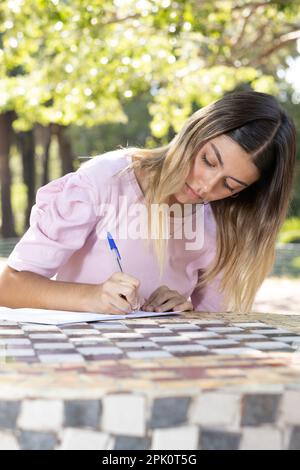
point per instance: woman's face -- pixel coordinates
(220, 169)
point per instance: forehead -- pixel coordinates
(237, 162)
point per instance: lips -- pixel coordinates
(192, 191)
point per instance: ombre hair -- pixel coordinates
(247, 226)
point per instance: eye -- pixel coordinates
(207, 162)
(228, 187)
(213, 166)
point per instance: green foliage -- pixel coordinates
(105, 137)
(77, 61)
(290, 232)
(121, 70)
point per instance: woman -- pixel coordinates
(235, 159)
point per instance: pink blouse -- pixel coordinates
(66, 239)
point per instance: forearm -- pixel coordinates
(26, 289)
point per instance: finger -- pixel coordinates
(139, 302)
(133, 297)
(167, 306)
(144, 305)
(129, 291)
(121, 304)
(185, 307)
(155, 293)
(115, 310)
(152, 296)
(126, 291)
(126, 278)
(164, 297)
(160, 297)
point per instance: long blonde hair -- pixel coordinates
(247, 226)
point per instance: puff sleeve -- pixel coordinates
(62, 218)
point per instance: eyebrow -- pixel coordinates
(218, 155)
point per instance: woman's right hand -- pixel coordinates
(117, 295)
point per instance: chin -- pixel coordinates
(179, 198)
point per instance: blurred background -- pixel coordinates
(81, 77)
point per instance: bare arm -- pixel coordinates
(27, 289)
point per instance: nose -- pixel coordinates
(208, 186)
(203, 194)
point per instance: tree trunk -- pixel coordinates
(8, 227)
(27, 149)
(43, 137)
(65, 149)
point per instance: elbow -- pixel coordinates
(7, 285)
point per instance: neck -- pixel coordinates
(141, 178)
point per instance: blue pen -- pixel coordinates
(116, 252)
(114, 249)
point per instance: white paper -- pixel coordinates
(61, 317)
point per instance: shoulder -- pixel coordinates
(102, 169)
(107, 164)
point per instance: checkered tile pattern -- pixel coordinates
(140, 339)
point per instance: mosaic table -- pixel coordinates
(193, 381)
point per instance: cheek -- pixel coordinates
(196, 172)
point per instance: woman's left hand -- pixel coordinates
(164, 299)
